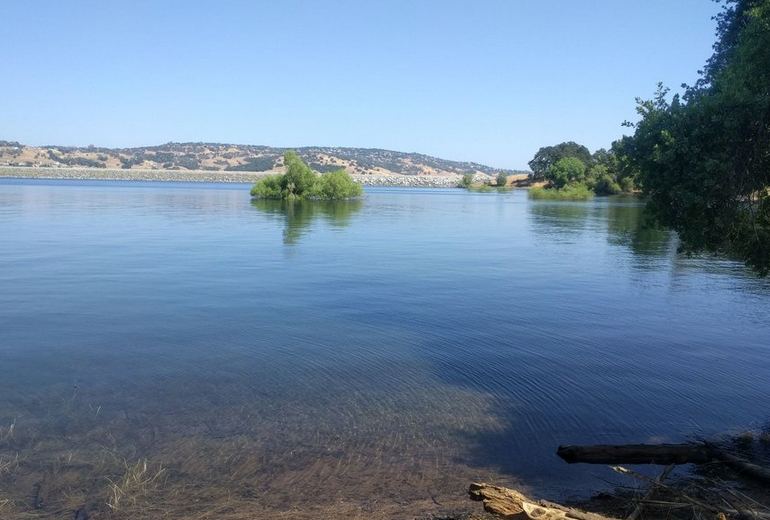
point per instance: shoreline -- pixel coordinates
(204, 176)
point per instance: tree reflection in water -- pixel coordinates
(299, 215)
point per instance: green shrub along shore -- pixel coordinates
(300, 182)
(569, 192)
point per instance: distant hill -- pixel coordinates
(235, 157)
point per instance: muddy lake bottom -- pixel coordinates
(177, 351)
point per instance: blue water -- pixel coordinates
(439, 333)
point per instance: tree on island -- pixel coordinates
(300, 182)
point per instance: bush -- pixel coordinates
(502, 179)
(576, 191)
(267, 188)
(606, 185)
(337, 185)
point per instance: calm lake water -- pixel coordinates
(366, 357)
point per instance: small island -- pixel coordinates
(301, 182)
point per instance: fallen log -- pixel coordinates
(664, 454)
(509, 503)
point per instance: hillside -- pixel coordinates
(231, 157)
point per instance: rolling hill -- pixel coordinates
(233, 157)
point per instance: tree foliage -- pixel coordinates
(703, 158)
(547, 156)
(300, 182)
(566, 170)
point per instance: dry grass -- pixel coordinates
(138, 480)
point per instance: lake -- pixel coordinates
(360, 359)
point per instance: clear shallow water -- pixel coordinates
(376, 354)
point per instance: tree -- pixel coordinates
(502, 179)
(703, 158)
(547, 156)
(298, 179)
(566, 171)
(467, 180)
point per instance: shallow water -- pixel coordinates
(365, 358)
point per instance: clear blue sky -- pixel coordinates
(488, 81)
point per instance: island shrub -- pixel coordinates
(267, 188)
(300, 182)
(336, 185)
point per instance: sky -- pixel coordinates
(480, 80)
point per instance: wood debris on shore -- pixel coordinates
(719, 501)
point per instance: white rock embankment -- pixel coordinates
(418, 181)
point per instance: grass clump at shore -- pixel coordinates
(568, 192)
(300, 182)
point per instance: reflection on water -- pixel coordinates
(630, 226)
(410, 343)
(559, 218)
(299, 215)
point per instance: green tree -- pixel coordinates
(502, 179)
(565, 171)
(703, 158)
(467, 180)
(299, 179)
(547, 156)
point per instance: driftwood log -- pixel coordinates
(666, 454)
(509, 503)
